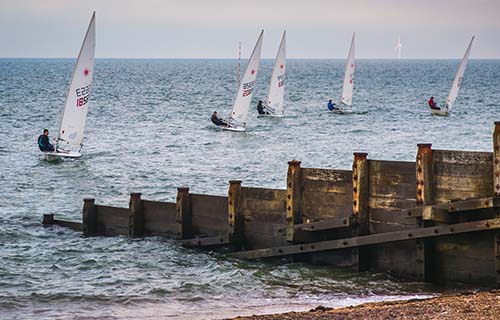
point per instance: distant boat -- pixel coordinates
(276, 96)
(457, 83)
(75, 109)
(241, 106)
(399, 46)
(345, 104)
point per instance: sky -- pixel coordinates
(213, 28)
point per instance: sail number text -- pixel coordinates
(248, 88)
(82, 95)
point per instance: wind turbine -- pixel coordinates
(398, 47)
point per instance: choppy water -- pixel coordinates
(148, 131)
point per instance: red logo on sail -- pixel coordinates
(86, 72)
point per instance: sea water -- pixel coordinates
(148, 130)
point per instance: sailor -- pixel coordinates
(43, 141)
(332, 106)
(260, 108)
(433, 105)
(217, 121)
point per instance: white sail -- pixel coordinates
(457, 82)
(398, 47)
(77, 99)
(276, 95)
(242, 102)
(347, 88)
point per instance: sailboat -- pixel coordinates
(76, 106)
(241, 106)
(276, 95)
(345, 104)
(398, 48)
(457, 83)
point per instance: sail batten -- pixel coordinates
(276, 95)
(348, 86)
(241, 104)
(77, 99)
(457, 82)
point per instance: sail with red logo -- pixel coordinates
(237, 118)
(345, 105)
(76, 107)
(275, 106)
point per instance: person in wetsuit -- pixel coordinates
(260, 108)
(44, 143)
(217, 121)
(433, 105)
(332, 106)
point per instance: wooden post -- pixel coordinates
(89, 218)
(235, 214)
(424, 197)
(136, 216)
(293, 197)
(48, 219)
(183, 217)
(360, 208)
(496, 191)
(360, 191)
(496, 159)
(425, 194)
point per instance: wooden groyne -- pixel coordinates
(436, 219)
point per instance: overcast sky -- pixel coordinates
(213, 28)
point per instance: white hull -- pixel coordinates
(55, 156)
(442, 113)
(235, 129)
(270, 115)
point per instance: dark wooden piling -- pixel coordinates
(496, 159)
(89, 218)
(360, 207)
(48, 219)
(425, 196)
(294, 191)
(136, 216)
(183, 218)
(235, 214)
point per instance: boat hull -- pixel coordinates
(56, 156)
(234, 129)
(441, 113)
(270, 115)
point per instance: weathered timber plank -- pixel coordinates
(112, 216)
(461, 157)
(420, 233)
(464, 182)
(458, 206)
(337, 187)
(332, 175)
(391, 167)
(394, 216)
(403, 190)
(479, 170)
(447, 196)
(263, 193)
(318, 226)
(206, 242)
(267, 205)
(209, 206)
(262, 227)
(159, 218)
(384, 227)
(388, 202)
(326, 212)
(275, 217)
(77, 226)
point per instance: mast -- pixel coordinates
(91, 27)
